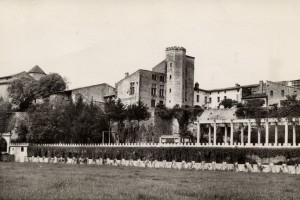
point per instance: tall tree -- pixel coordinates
(115, 112)
(137, 111)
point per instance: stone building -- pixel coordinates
(96, 93)
(35, 73)
(271, 92)
(170, 82)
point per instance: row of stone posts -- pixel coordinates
(266, 122)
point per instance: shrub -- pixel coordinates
(188, 154)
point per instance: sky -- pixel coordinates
(96, 41)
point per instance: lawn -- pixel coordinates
(62, 181)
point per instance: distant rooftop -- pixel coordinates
(36, 69)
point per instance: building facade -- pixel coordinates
(271, 92)
(171, 82)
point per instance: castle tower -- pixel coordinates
(180, 77)
(36, 72)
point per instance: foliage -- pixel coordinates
(23, 91)
(115, 112)
(5, 109)
(252, 109)
(50, 84)
(228, 103)
(138, 112)
(183, 114)
(188, 154)
(79, 122)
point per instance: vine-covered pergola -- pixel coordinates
(249, 123)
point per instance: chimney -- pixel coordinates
(261, 87)
(126, 74)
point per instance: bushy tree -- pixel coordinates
(23, 92)
(115, 112)
(50, 84)
(252, 109)
(137, 111)
(228, 103)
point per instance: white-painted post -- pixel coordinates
(209, 134)
(198, 133)
(267, 133)
(225, 134)
(231, 133)
(294, 135)
(249, 133)
(242, 135)
(286, 130)
(215, 133)
(276, 135)
(258, 136)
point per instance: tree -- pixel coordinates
(5, 109)
(23, 92)
(50, 84)
(115, 112)
(252, 109)
(228, 103)
(137, 111)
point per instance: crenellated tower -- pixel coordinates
(180, 77)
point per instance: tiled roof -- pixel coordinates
(37, 69)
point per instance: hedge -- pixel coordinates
(197, 154)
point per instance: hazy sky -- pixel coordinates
(93, 42)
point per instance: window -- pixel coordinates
(205, 100)
(271, 93)
(170, 90)
(161, 91)
(152, 103)
(161, 102)
(186, 71)
(154, 77)
(153, 90)
(224, 91)
(225, 97)
(132, 88)
(185, 97)
(22, 149)
(171, 64)
(209, 99)
(282, 93)
(170, 76)
(218, 99)
(162, 78)
(218, 92)
(197, 98)
(185, 83)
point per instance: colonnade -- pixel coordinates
(249, 123)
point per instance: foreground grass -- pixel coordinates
(62, 181)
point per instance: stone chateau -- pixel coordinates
(170, 82)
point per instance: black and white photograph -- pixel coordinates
(149, 99)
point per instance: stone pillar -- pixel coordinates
(258, 136)
(215, 133)
(209, 134)
(276, 135)
(249, 133)
(267, 134)
(198, 133)
(225, 134)
(231, 133)
(242, 134)
(294, 135)
(286, 132)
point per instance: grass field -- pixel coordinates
(62, 181)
